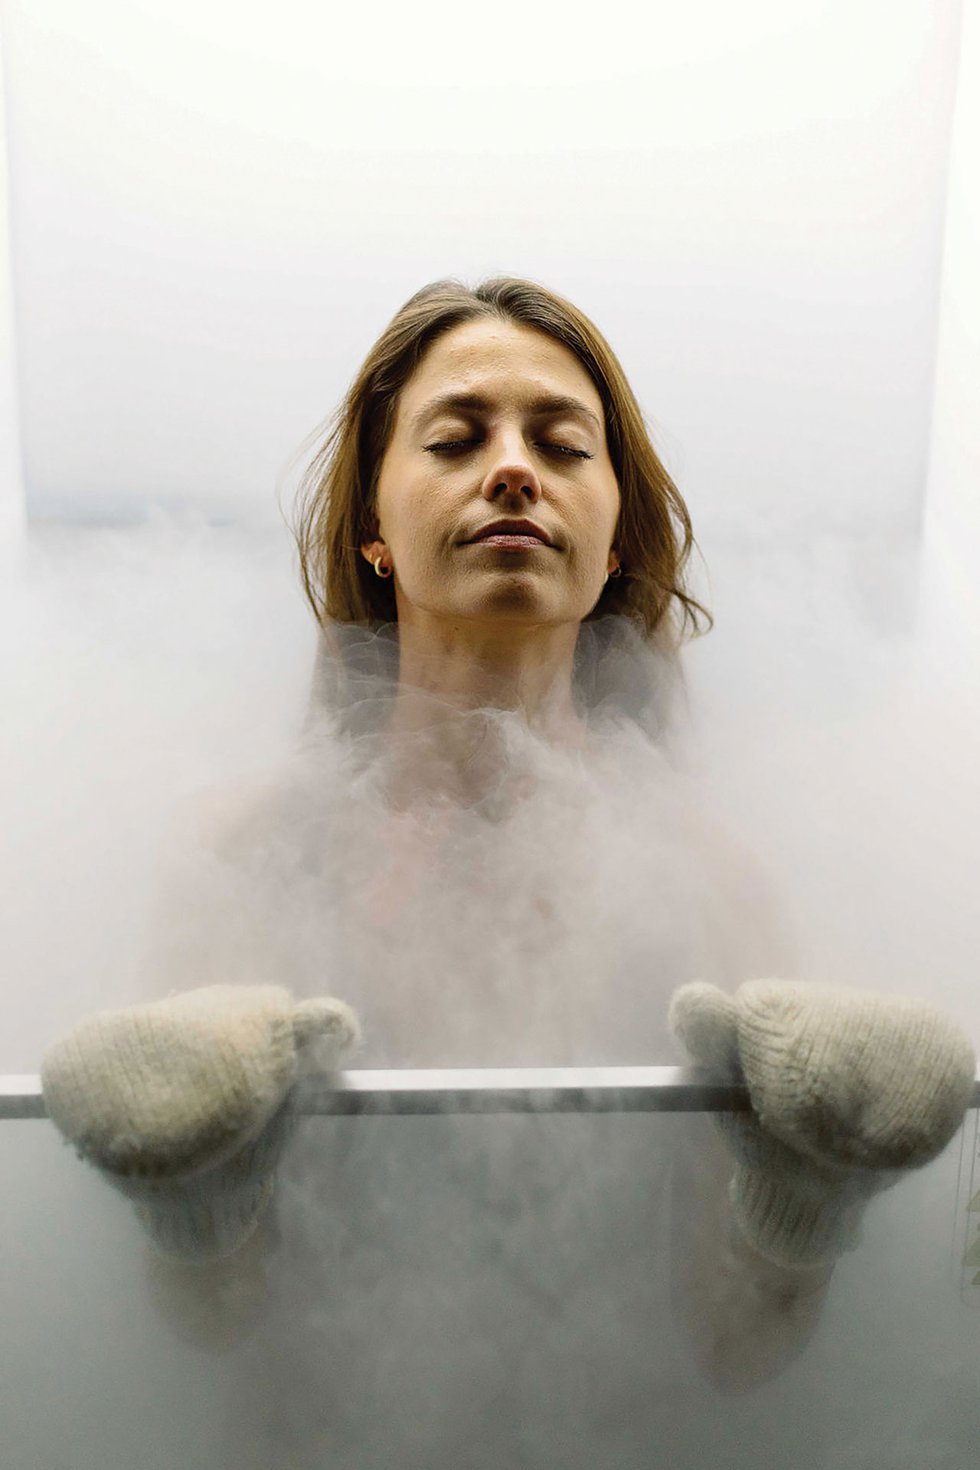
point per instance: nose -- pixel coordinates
(513, 480)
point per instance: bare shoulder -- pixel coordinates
(203, 926)
(730, 853)
(747, 895)
(225, 819)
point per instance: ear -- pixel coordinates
(371, 550)
(373, 543)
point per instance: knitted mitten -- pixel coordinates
(848, 1089)
(185, 1103)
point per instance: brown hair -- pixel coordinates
(337, 495)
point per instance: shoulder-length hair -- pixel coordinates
(337, 496)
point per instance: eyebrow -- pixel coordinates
(548, 403)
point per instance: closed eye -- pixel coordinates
(452, 445)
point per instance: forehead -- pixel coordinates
(513, 363)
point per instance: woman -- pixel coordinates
(489, 835)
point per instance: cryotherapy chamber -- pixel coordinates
(471, 1330)
(486, 1268)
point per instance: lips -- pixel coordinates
(513, 528)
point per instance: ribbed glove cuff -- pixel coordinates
(799, 1226)
(211, 1214)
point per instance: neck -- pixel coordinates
(453, 679)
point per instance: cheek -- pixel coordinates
(423, 536)
(598, 527)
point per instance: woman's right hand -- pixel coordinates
(184, 1102)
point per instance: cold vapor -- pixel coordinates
(183, 764)
(195, 790)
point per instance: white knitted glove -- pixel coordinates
(185, 1105)
(848, 1089)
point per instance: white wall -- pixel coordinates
(216, 209)
(951, 592)
(11, 469)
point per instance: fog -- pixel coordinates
(810, 794)
(812, 813)
(193, 791)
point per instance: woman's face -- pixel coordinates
(453, 468)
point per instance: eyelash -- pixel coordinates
(462, 443)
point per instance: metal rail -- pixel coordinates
(483, 1090)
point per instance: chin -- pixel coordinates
(533, 612)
